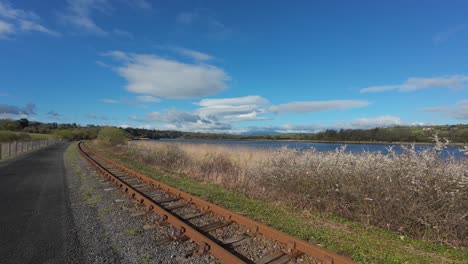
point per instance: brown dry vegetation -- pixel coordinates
(415, 193)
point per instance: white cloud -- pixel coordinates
(26, 25)
(457, 111)
(137, 101)
(6, 29)
(18, 20)
(117, 55)
(246, 100)
(109, 101)
(219, 114)
(148, 99)
(414, 84)
(183, 120)
(365, 123)
(316, 106)
(193, 54)
(79, 14)
(11, 13)
(233, 109)
(215, 114)
(153, 75)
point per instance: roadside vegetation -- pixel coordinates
(25, 130)
(397, 208)
(8, 136)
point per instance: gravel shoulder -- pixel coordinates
(106, 229)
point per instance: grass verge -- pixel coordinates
(362, 243)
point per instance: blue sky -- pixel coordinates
(235, 66)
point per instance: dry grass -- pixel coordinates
(415, 193)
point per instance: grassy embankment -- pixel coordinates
(9, 136)
(362, 242)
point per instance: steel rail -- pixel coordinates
(203, 241)
(294, 246)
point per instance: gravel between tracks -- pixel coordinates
(109, 234)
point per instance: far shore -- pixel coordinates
(325, 141)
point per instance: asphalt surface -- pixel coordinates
(36, 223)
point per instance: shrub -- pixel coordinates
(112, 136)
(7, 136)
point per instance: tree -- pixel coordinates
(23, 122)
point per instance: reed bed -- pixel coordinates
(418, 194)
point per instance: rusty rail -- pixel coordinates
(294, 246)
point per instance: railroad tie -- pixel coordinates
(235, 241)
(272, 257)
(214, 225)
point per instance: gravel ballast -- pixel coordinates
(107, 231)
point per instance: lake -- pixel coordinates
(301, 145)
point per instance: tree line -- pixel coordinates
(73, 131)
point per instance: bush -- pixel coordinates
(7, 136)
(112, 136)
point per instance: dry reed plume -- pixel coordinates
(415, 193)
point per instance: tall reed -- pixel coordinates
(416, 193)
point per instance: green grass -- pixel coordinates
(362, 243)
(144, 260)
(132, 232)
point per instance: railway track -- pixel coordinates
(222, 233)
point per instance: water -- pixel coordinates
(301, 145)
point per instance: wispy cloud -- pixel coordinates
(12, 13)
(97, 117)
(138, 101)
(366, 123)
(109, 101)
(414, 84)
(157, 76)
(123, 33)
(246, 100)
(148, 99)
(458, 111)
(79, 14)
(17, 20)
(26, 25)
(205, 21)
(6, 29)
(316, 106)
(247, 108)
(447, 35)
(53, 115)
(196, 55)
